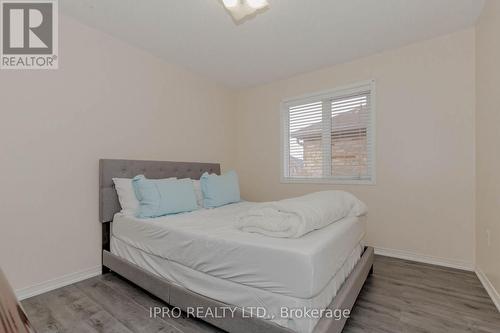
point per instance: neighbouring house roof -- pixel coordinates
(296, 162)
(343, 122)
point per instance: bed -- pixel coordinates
(200, 259)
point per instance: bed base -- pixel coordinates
(182, 298)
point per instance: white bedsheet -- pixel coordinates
(237, 294)
(207, 241)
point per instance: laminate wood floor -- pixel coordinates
(401, 297)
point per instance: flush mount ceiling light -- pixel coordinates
(240, 9)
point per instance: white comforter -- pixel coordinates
(293, 218)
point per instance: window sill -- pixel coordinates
(327, 181)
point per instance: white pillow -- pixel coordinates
(126, 196)
(197, 191)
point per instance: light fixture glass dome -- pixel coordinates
(240, 9)
(257, 4)
(231, 3)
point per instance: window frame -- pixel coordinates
(314, 97)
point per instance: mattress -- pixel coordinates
(206, 241)
(239, 295)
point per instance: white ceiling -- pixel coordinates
(292, 37)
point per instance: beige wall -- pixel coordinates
(107, 100)
(487, 141)
(423, 201)
(110, 100)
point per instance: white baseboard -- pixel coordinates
(494, 295)
(56, 283)
(407, 255)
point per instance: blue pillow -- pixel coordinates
(159, 197)
(220, 190)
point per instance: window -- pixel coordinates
(329, 137)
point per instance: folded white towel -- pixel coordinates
(293, 218)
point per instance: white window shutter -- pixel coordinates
(329, 137)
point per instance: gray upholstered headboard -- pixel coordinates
(109, 169)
